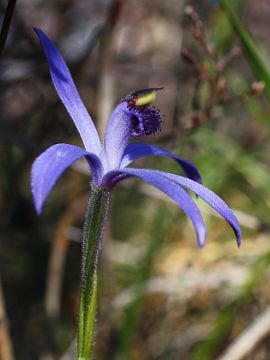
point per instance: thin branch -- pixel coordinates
(59, 250)
(199, 33)
(56, 266)
(104, 88)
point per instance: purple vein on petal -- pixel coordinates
(69, 95)
(169, 187)
(138, 150)
(50, 165)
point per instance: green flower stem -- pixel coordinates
(93, 231)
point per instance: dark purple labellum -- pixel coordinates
(146, 120)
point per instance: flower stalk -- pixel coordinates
(93, 230)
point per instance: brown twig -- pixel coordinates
(6, 351)
(59, 249)
(103, 97)
(199, 33)
(56, 266)
(217, 87)
(234, 53)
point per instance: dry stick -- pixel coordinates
(58, 253)
(213, 83)
(55, 272)
(60, 244)
(105, 82)
(6, 351)
(199, 33)
(198, 74)
(56, 266)
(177, 107)
(256, 89)
(234, 53)
(106, 42)
(247, 341)
(218, 65)
(209, 49)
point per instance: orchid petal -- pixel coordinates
(117, 135)
(69, 95)
(49, 166)
(170, 188)
(211, 198)
(138, 150)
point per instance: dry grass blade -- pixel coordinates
(56, 266)
(248, 340)
(6, 352)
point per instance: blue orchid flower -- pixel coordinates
(134, 116)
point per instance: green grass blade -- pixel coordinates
(258, 66)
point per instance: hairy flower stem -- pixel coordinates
(93, 231)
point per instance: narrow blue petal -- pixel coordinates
(211, 198)
(118, 132)
(170, 188)
(69, 95)
(138, 150)
(49, 166)
(128, 121)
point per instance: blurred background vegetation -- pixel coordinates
(160, 296)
